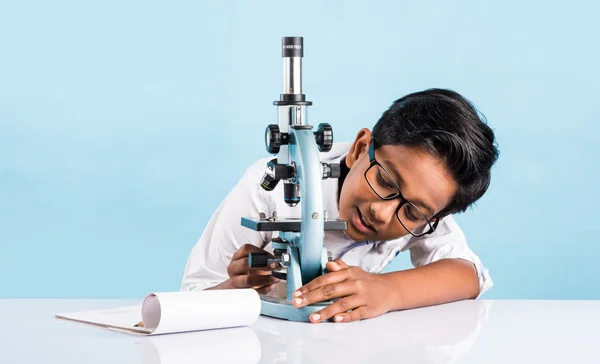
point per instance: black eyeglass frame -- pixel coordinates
(403, 201)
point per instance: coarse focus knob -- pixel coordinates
(324, 137)
(258, 260)
(272, 139)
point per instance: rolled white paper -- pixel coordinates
(167, 312)
(170, 312)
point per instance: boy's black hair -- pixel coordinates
(448, 126)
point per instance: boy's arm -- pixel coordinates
(445, 270)
(448, 242)
(443, 281)
(224, 236)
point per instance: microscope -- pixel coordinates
(299, 249)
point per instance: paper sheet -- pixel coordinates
(170, 312)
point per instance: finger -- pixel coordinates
(327, 279)
(244, 250)
(356, 315)
(341, 306)
(327, 292)
(265, 289)
(247, 249)
(333, 267)
(238, 267)
(264, 272)
(336, 265)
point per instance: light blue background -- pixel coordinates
(124, 124)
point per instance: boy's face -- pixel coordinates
(422, 178)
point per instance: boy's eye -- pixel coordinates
(383, 181)
(412, 214)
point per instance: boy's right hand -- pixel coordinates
(241, 276)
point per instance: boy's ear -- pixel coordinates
(359, 147)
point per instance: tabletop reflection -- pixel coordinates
(438, 334)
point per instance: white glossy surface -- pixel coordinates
(462, 332)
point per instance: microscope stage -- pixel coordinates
(288, 224)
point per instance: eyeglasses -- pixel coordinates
(384, 186)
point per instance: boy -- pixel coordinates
(428, 156)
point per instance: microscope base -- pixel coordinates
(283, 309)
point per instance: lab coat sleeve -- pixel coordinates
(224, 234)
(447, 242)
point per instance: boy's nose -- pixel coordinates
(384, 211)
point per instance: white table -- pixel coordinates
(463, 332)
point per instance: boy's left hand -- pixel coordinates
(366, 294)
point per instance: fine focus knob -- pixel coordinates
(272, 139)
(258, 260)
(331, 170)
(336, 170)
(324, 137)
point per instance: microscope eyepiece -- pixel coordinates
(292, 52)
(292, 47)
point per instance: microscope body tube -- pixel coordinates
(292, 75)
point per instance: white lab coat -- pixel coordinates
(224, 235)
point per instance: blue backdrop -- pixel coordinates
(124, 124)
